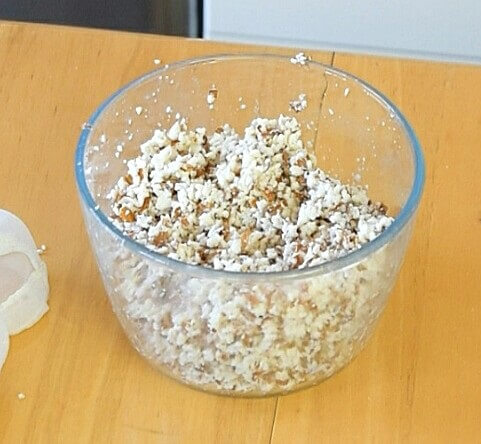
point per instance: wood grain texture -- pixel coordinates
(82, 380)
(418, 380)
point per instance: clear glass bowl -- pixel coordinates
(252, 334)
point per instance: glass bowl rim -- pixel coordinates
(406, 213)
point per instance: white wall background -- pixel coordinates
(434, 29)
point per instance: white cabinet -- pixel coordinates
(437, 29)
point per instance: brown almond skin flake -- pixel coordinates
(146, 203)
(126, 215)
(128, 179)
(161, 238)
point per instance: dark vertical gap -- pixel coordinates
(171, 17)
(200, 18)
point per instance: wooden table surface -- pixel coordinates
(418, 380)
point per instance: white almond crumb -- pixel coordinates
(156, 61)
(103, 138)
(346, 92)
(300, 104)
(242, 106)
(42, 249)
(168, 109)
(331, 111)
(174, 131)
(300, 59)
(212, 96)
(21, 396)
(210, 99)
(138, 110)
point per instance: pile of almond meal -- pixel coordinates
(251, 202)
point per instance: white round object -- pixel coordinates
(4, 342)
(23, 276)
